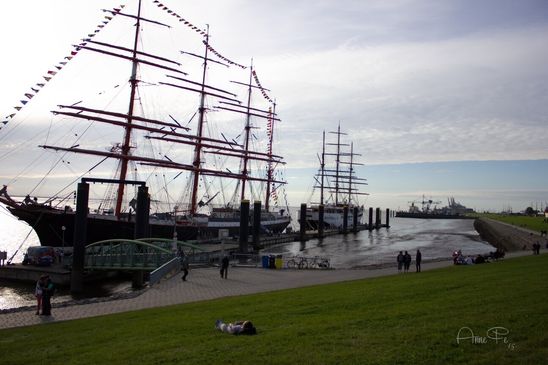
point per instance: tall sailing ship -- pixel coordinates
(338, 185)
(196, 176)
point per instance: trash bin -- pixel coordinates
(264, 260)
(271, 262)
(278, 262)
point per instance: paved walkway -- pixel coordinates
(204, 284)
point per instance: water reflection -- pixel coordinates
(435, 238)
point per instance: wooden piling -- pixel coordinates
(244, 225)
(79, 245)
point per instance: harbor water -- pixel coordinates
(436, 239)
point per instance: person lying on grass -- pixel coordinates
(236, 328)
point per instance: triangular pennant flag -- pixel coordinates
(11, 115)
(101, 26)
(47, 78)
(117, 10)
(35, 90)
(122, 6)
(108, 17)
(40, 84)
(5, 122)
(24, 102)
(58, 67)
(63, 63)
(52, 73)
(17, 107)
(68, 58)
(29, 96)
(73, 53)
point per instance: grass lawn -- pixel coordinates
(533, 223)
(402, 319)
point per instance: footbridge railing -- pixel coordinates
(146, 254)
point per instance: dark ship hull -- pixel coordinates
(49, 222)
(431, 216)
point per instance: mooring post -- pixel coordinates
(321, 210)
(370, 225)
(377, 218)
(387, 217)
(244, 225)
(79, 245)
(256, 223)
(345, 219)
(141, 229)
(302, 221)
(142, 213)
(355, 219)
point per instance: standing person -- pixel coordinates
(47, 292)
(224, 267)
(185, 266)
(38, 293)
(406, 261)
(399, 259)
(418, 259)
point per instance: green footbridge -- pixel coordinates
(155, 255)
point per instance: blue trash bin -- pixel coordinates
(264, 261)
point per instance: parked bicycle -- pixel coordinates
(297, 262)
(318, 262)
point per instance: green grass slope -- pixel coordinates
(402, 319)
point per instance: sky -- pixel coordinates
(440, 98)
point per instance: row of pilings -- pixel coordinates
(303, 225)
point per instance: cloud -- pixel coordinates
(478, 97)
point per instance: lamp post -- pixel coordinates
(63, 228)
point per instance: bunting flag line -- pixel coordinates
(51, 73)
(263, 91)
(181, 19)
(212, 50)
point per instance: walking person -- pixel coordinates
(418, 259)
(399, 259)
(224, 267)
(38, 294)
(406, 261)
(47, 292)
(184, 266)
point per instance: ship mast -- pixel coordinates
(338, 160)
(270, 170)
(322, 165)
(350, 173)
(247, 133)
(126, 145)
(198, 148)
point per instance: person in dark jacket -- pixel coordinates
(406, 261)
(184, 266)
(47, 292)
(224, 267)
(418, 259)
(399, 260)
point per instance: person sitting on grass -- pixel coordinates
(236, 328)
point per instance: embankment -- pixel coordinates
(505, 236)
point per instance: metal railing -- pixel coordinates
(164, 270)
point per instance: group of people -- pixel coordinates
(404, 261)
(43, 292)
